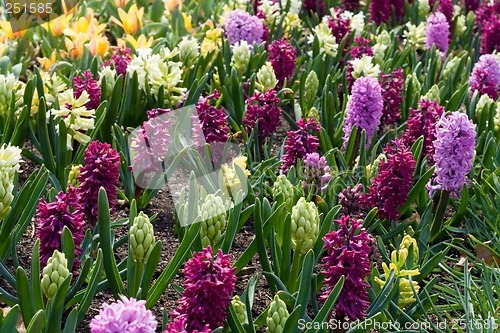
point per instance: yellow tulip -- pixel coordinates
(6, 32)
(170, 5)
(121, 3)
(99, 46)
(130, 21)
(46, 63)
(75, 46)
(138, 43)
(57, 25)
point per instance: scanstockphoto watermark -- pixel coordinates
(454, 324)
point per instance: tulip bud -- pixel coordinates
(213, 214)
(142, 238)
(305, 225)
(74, 173)
(311, 88)
(266, 78)
(276, 316)
(54, 274)
(240, 309)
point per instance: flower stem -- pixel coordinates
(437, 223)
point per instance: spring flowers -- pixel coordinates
(317, 173)
(54, 274)
(102, 168)
(392, 94)
(263, 108)
(51, 218)
(239, 25)
(86, 82)
(10, 159)
(485, 77)
(364, 108)
(348, 251)
(454, 151)
(305, 225)
(125, 316)
(389, 190)
(438, 32)
(213, 120)
(207, 292)
(300, 142)
(282, 56)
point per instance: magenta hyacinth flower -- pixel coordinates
(339, 26)
(101, 169)
(364, 108)
(264, 108)
(180, 326)
(471, 5)
(422, 122)
(317, 173)
(208, 286)
(52, 217)
(242, 26)
(438, 32)
(392, 93)
(399, 7)
(86, 82)
(352, 200)
(124, 316)
(389, 190)
(301, 142)
(121, 60)
(446, 7)
(490, 35)
(348, 254)
(351, 5)
(282, 56)
(454, 149)
(380, 11)
(315, 6)
(361, 48)
(485, 77)
(213, 120)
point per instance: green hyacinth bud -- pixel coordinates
(240, 309)
(241, 56)
(313, 113)
(189, 51)
(276, 316)
(142, 238)
(416, 85)
(74, 173)
(54, 274)
(213, 215)
(451, 67)
(10, 159)
(266, 78)
(282, 185)
(305, 225)
(432, 94)
(311, 88)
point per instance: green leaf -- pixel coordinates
(327, 307)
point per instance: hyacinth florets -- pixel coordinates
(208, 286)
(446, 7)
(389, 190)
(282, 56)
(392, 94)
(315, 6)
(352, 202)
(422, 122)
(485, 77)
(124, 316)
(213, 120)
(301, 142)
(86, 82)
(240, 25)
(437, 32)
(490, 35)
(339, 25)
(264, 109)
(364, 108)
(454, 150)
(348, 251)
(52, 217)
(380, 11)
(317, 173)
(121, 58)
(101, 169)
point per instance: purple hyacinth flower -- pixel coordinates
(209, 283)
(213, 120)
(264, 108)
(124, 316)
(485, 77)
(102, 168)
(242, 26)
(389, 190)
(86, 82)
(422, 122)
(438, 32)
(364, 108)
(317, 173)
(454, 150)
(352, 200)
(348, 254)
(52, 217)
(282, 56)
(301, 142)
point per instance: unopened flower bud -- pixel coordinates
(311, 88)
(240, 309)
(142, 238)
(54, 274)
(276, 316)
(74, 173)
(213, 215)
(241, 56)
(266, 78)
(10, 158)
(305, 225)
(282, 185)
